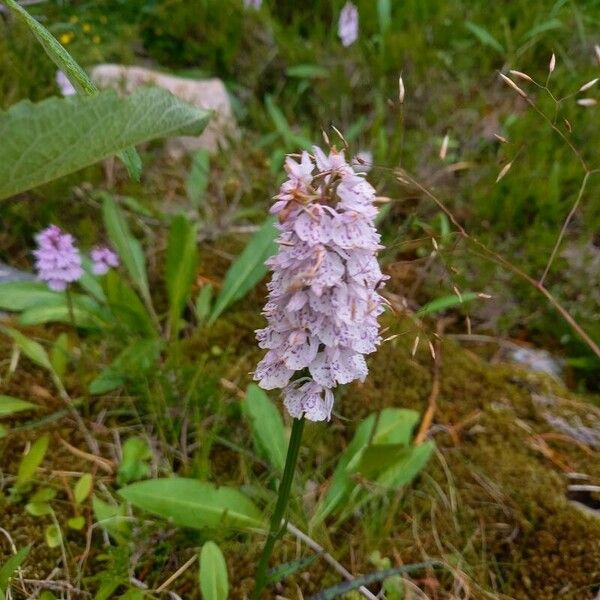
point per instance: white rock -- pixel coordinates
(209, 94)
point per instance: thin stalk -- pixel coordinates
(276, 528)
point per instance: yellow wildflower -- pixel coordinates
(86, 27)
(66, 38)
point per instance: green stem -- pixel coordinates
(276, 528)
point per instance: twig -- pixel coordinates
(177, 573)
(328, 559)
(103, 463)
(435, 386)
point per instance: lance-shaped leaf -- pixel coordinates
(43, 141)
(193, 503)
(247, 269)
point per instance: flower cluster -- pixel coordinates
(102, 260)
(57, 260)
(323, 302)
(348, 24)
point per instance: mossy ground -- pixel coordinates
(492, 502)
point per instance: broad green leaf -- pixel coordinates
(197, 179)
(8, 569)
(83, 487)
(86, 313)
(126, 305)
(395, 426)
(384, 14)
(267, 426)
(307, 72)
(11, 406)
(247, 269)
(30, 348)
(58, 136)
(181, 265)
(341, 482)
(19, 295)
(446, 302)
(214, 581)
(128, 247)
(407, 467)
(134, 463)
(195, 504)
(390, 426)
(53, 536)
(59, 354)
(484, 36)
(32, 460)
(76, 75)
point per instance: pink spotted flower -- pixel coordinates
(348, 24)
(323, 304)
(57, 259)
(103, 259)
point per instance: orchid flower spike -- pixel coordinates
(57, 260)
(323, 303)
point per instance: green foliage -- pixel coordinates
(111, 517)
(31, 461)
(126, 305)
(267, 426)
(181, 265)
(8, 569)
(203, 303)
(10, 406)
(135, 362)
(19, 295)
(73, 132)
(129, 249)
(484, 36)
(53, 536)
(33, 350)
(197, 180)
(247, 269)
(134, 463)
(214, 581)
(83, 488)
(380, 451)
(192, 503)
(59, 354)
